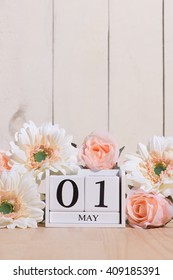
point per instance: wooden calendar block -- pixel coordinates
(102, 194)
(93, 218)
(66, 193)
(95, 199)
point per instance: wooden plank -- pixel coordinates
(25, 64)
(80, 77)
(168, 16)
(87, 244)
(135, 71)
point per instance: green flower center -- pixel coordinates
(159, 168)
(6, 207)
(40, 156)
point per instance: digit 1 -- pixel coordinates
(59, 194)
(102, 188)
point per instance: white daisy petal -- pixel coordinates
(17, 154)
(156, 144)
(168, 144)
(21, 223)
(129, 165)
(5, 222)
(31, 223)
(143, 151)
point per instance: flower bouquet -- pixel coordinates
(47, 147)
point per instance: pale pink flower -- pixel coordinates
(148, 210)
(99, 151)
(4, 162)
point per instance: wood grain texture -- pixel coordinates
(80, 78)
(87, 243)
(168, 67)
(25, 64)
(136, 97)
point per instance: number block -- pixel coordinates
(66, 193)
(102, 193)
(95, 199)
(84, 218)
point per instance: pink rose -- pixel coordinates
(4, 162)
(99, 151)
(148, 210)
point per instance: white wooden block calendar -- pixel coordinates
(93, 199)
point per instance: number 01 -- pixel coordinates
(59, 194)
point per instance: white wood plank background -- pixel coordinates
(135, 70)
(25, 64)
(168, 7)
(80, 77)
(98, 62)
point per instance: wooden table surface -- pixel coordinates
(87, 243)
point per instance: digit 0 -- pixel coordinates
(60, 190)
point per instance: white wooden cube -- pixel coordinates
(85, 211)
(102, 194)
(66, 193)
(85, 218)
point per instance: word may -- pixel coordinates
(86, 218)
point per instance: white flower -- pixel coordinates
(44, 147)
(151, 168)
(20, 203)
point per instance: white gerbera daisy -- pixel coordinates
(151, 168)
(20, 203)
(44, 147)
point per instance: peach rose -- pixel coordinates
(148, 210)
(99, 151)
(4, 162)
